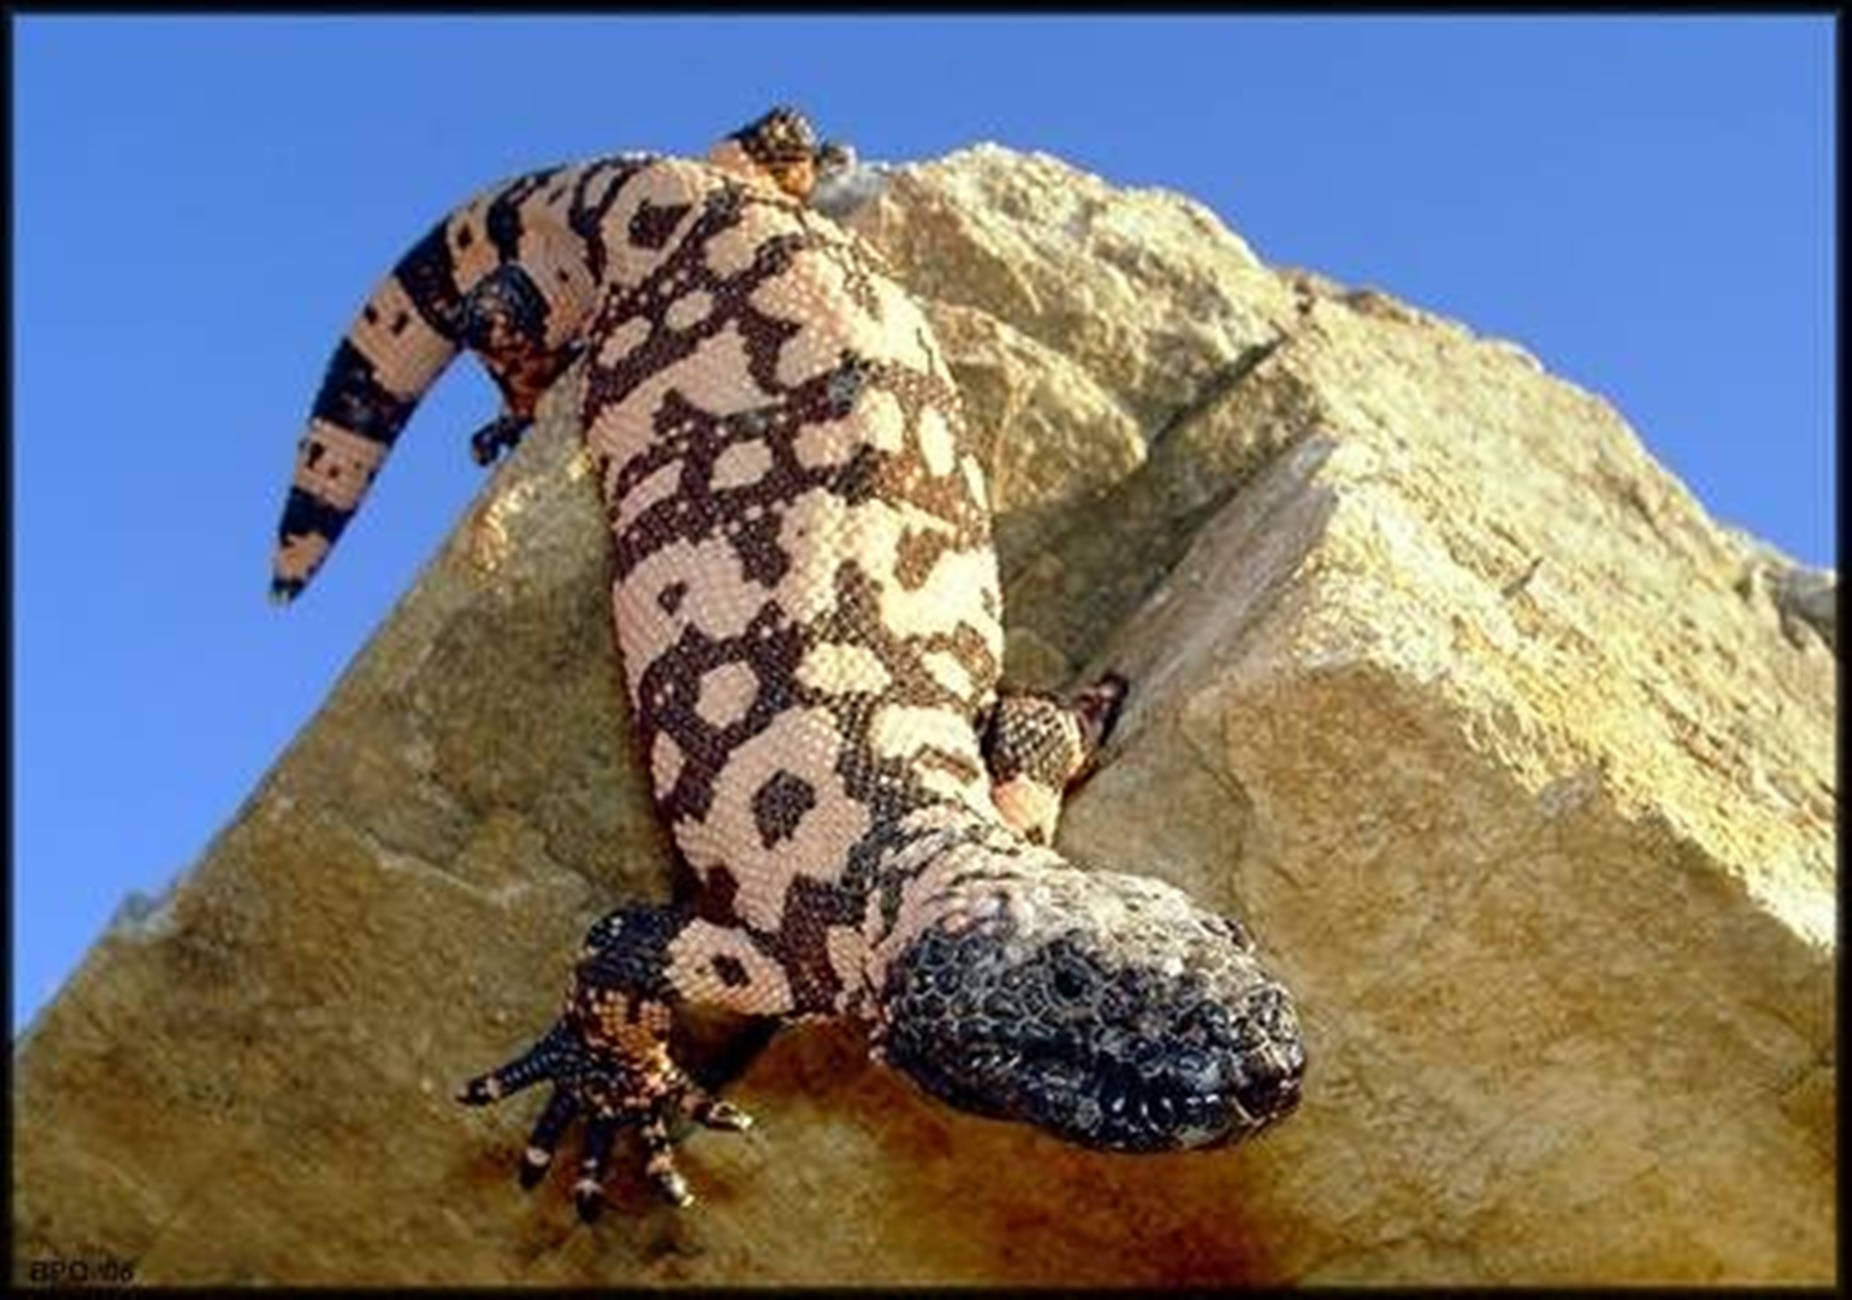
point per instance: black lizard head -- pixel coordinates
(1108, 1009)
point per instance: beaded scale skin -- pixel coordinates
(807, 606)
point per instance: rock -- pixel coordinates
(838, 193)
(1055, 441)
(1812, 597)
(1805, 600)
(1006, 232)
(1440, 681)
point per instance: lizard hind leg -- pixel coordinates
(504, 322)
(1038, 746)
(608, 1059)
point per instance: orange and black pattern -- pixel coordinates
(806, 600)
(511, 276)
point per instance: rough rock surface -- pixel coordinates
(1520, 765)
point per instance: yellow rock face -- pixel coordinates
(1499, 743)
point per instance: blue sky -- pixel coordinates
(200, 205)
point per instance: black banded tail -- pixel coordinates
(405, 335)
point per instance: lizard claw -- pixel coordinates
(503, 433)
(588, 1191)
(1098, 706)
(710, 1112)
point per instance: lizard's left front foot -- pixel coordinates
(612, 1088)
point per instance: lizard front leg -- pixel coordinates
(505, 324)
(608, 1056)
(1038, 746)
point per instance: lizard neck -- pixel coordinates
(936, 863)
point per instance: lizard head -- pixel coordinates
(1106, 1008)
(782, 147)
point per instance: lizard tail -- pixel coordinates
(404, 336)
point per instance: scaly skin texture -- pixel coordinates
(1037, 746)
(807, 605)
(511, 275)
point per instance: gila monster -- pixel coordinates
(807, 607)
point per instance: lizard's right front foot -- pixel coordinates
(612, 1067)
(1038, 746)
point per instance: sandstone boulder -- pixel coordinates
(1520, 766)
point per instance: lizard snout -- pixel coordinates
(1109, 1011)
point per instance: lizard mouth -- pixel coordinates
(1154, 1096)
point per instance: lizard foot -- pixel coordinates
(1098, 708)
(612, 1089)
(1038, 746)
(503, 433)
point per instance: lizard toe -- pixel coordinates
(561, 1110)
(544, 1060)
(503, 433)
(594, 1156)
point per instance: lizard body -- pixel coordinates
(806, 602)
